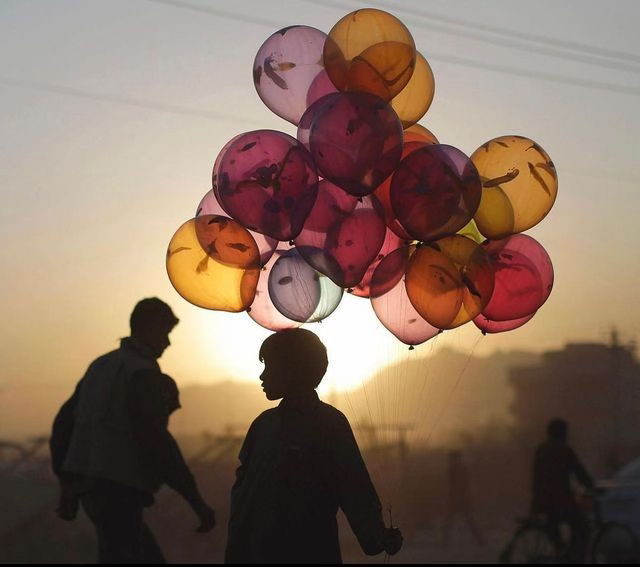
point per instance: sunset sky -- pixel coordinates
(113, 112)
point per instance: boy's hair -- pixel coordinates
(301, 351)
(557, 429)
(149, 312)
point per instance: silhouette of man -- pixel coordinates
(299, 463)
(554, 465)
(459, 498)
(110, 445)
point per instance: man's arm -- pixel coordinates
(61, 432)
(577, 468)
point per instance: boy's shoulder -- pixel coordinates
(334, 415)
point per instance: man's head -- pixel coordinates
(557, 430)
(294, 363)
(151, 322)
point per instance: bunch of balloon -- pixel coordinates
(364, 199)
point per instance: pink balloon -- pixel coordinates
(342, 234)
(489, 326)
(268, 182)
(288, 71)
(209, 205)
(356, 141)
(391, 242)
(306, 121)
(393, 308)
(523, 277)
(262, 310)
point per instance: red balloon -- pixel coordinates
(489, 326)
(342, 234)
(435, 191)
(267, 181)
(356, 141)
(391, 242)
(393, 308)
(523, 277)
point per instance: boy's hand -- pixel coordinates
(392, 540)
(207, 517)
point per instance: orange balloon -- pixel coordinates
(519, 185)
(414, 100)
(370, 50)
(449, 281)
(418, 133)
(213, 262)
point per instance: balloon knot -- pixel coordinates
(350, 290)
(440, 331)
(292, 243)
(248, 309)
(411, 347)
(484, 333)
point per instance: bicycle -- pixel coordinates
(610, 543)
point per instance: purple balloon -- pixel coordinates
(393, 308)
(314, 109)
(342, 234)
(435, 191)
(267, 181)
(523, 277)
(216, 168)
(489, 326)
(391, 242)
(262, 310)
(356, 141)
(299, 292)
(209, 205)
(288, 71)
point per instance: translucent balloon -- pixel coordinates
(299, 292)
(391, 242)
(470, 230)
(209, 205)
(523, 275)
(450, 281)
(262, 310)
(418, 133)
(314, 109)
(268, 182)
(383, 193)
(372, 51)
(435, 191)
(489, 326)
(519, 185)
(414, 100)
(216, 169)
(356, 141)
(393, 308)
(212, 262)
(342, 235)
(288, 72)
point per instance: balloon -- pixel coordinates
(470, 230)
(523, 274)
(435, 191)
(355, 141)
(209, 205)
(212, 262)
(489, 326)
(262, 310)
(268, 182)
(342, 235)
(299, 292)
(372, 51)
(391, 242)
(304, 127)
(383, 193)
(414, 100)
(288, 72)
(519, 185)
(216, 169)
(393, 308)
(449, 281)
(418, 133)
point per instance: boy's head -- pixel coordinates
(558, 430)
(151, 322)
(294, 363)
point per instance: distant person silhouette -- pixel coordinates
(299, 463)
(554, 465)
(110, 445)
(459, 504)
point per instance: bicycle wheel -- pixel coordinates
(615, 544)
(530, 546)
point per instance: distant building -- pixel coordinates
(596, 388)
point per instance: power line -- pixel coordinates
(117, 99)
(622, 89)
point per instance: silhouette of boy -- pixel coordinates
(299, 463)
(110, 445)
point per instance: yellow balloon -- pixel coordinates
(213, 262)
(414, 100)
(418, 133)
(470, 230)
(519, 185)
